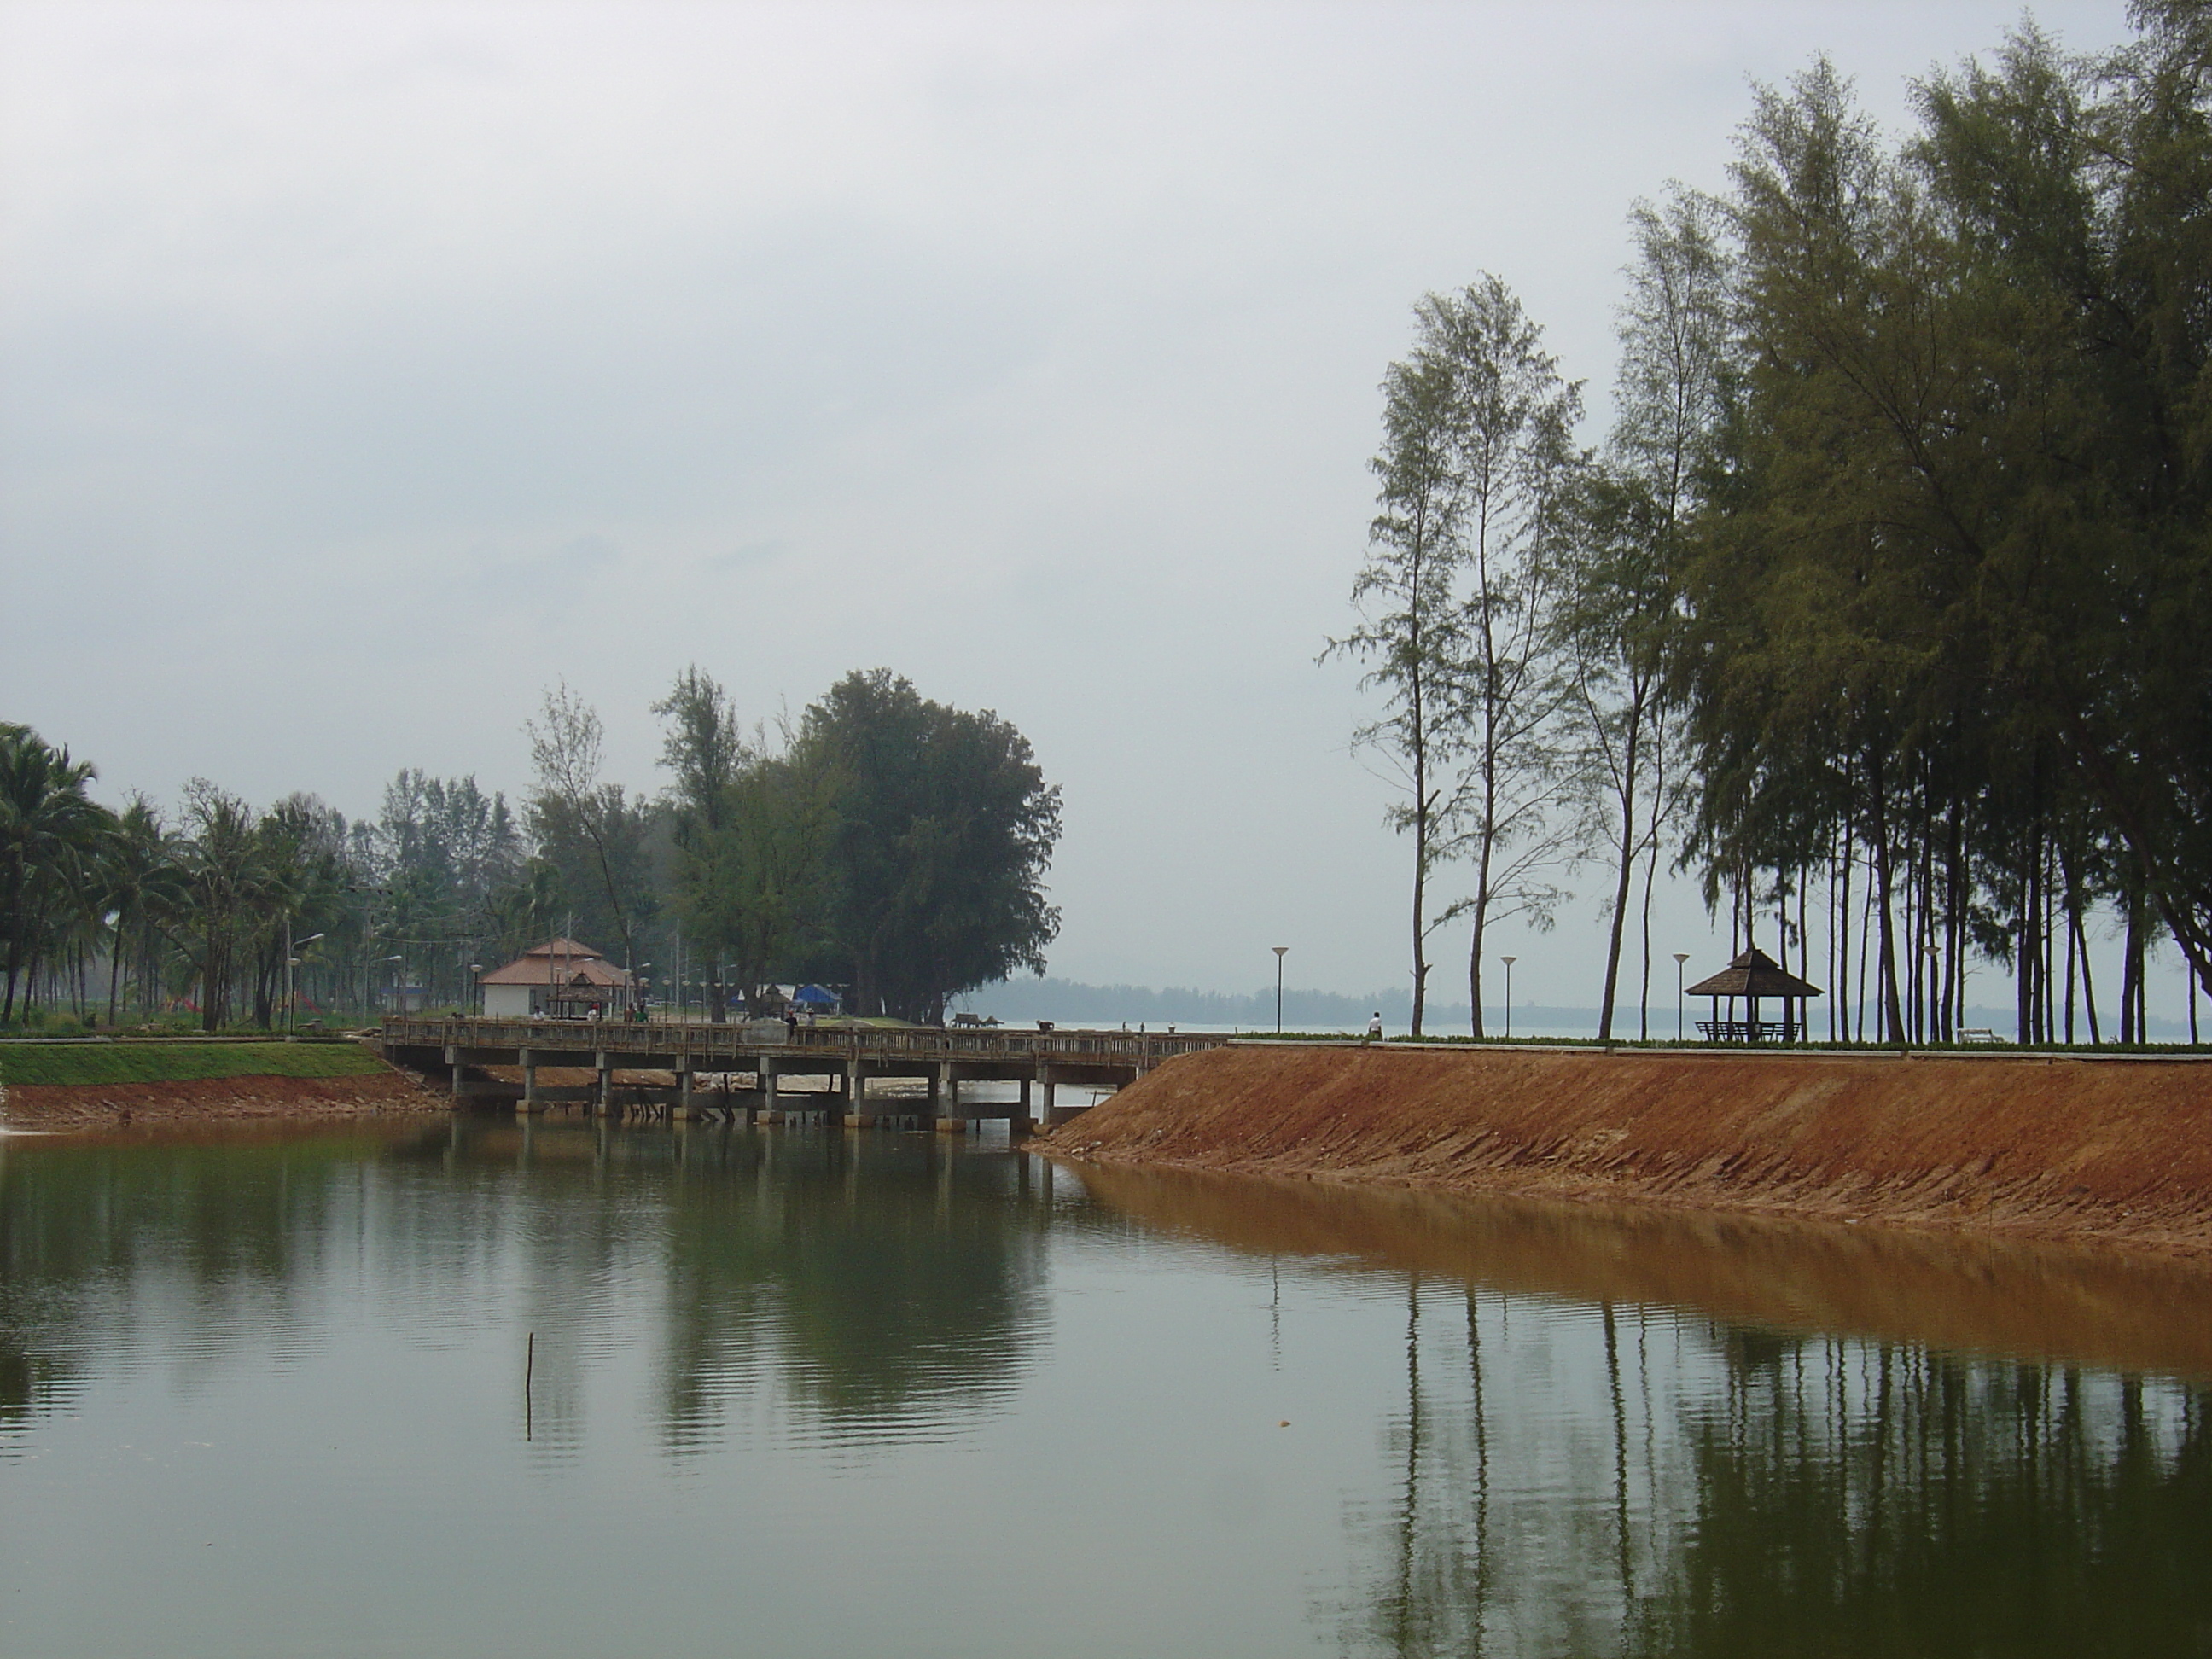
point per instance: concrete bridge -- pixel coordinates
(844, 1060)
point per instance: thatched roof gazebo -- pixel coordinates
(1751, 976)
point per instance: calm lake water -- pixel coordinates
(798, 1393)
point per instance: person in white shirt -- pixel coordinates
(1375, 1025)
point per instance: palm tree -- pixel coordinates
(50, 836)
(140, 884)
(223, 865)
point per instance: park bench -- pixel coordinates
(1744, 1030)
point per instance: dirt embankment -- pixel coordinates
(63, 1107)
(2111, 1151)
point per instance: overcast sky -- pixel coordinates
(365, 369)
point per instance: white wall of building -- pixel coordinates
(507, 1001)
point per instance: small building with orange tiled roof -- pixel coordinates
(559, 977)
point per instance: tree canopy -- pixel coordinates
(1892, 580)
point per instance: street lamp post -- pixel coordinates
(290, 962)
(1509, 961)
(400, 989)
(1680, 956)
(1279, 951)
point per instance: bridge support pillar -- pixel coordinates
(530, 1102)
(1023, 1120)
(686, 1107)
(945, 1101)
(454, 1061)
(855, 1085)
(604, 1104)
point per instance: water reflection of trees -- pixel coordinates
(1885, 1501)
(98, 1241)
(884, 1286)
(1571, 1481)
(871, 1289)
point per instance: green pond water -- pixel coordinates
(482, 1389)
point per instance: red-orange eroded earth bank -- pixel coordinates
(2116, 1151)
(84, 1106)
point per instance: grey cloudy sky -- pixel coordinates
(365, 368)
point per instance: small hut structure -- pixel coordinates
(560, 980)
(1753, 976)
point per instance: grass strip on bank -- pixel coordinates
(64, 1064)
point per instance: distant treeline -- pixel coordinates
(1884, 606)
(883, 843)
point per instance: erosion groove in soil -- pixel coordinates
(2042, 1147)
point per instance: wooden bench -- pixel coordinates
(1746, 1030)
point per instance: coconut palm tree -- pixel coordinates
(50, 836)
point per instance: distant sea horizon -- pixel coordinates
(1071, 1002)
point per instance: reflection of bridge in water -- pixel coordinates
(842, 1061)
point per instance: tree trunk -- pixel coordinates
(1621, 883)
(2131, 962)
(2089, 980)
(1644, 998)
(1893, 1009)
(1481, 924)
(1842, 988)
(1420, 896)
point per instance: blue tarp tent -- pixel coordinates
(815, 996)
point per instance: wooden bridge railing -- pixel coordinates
(708, 1042)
